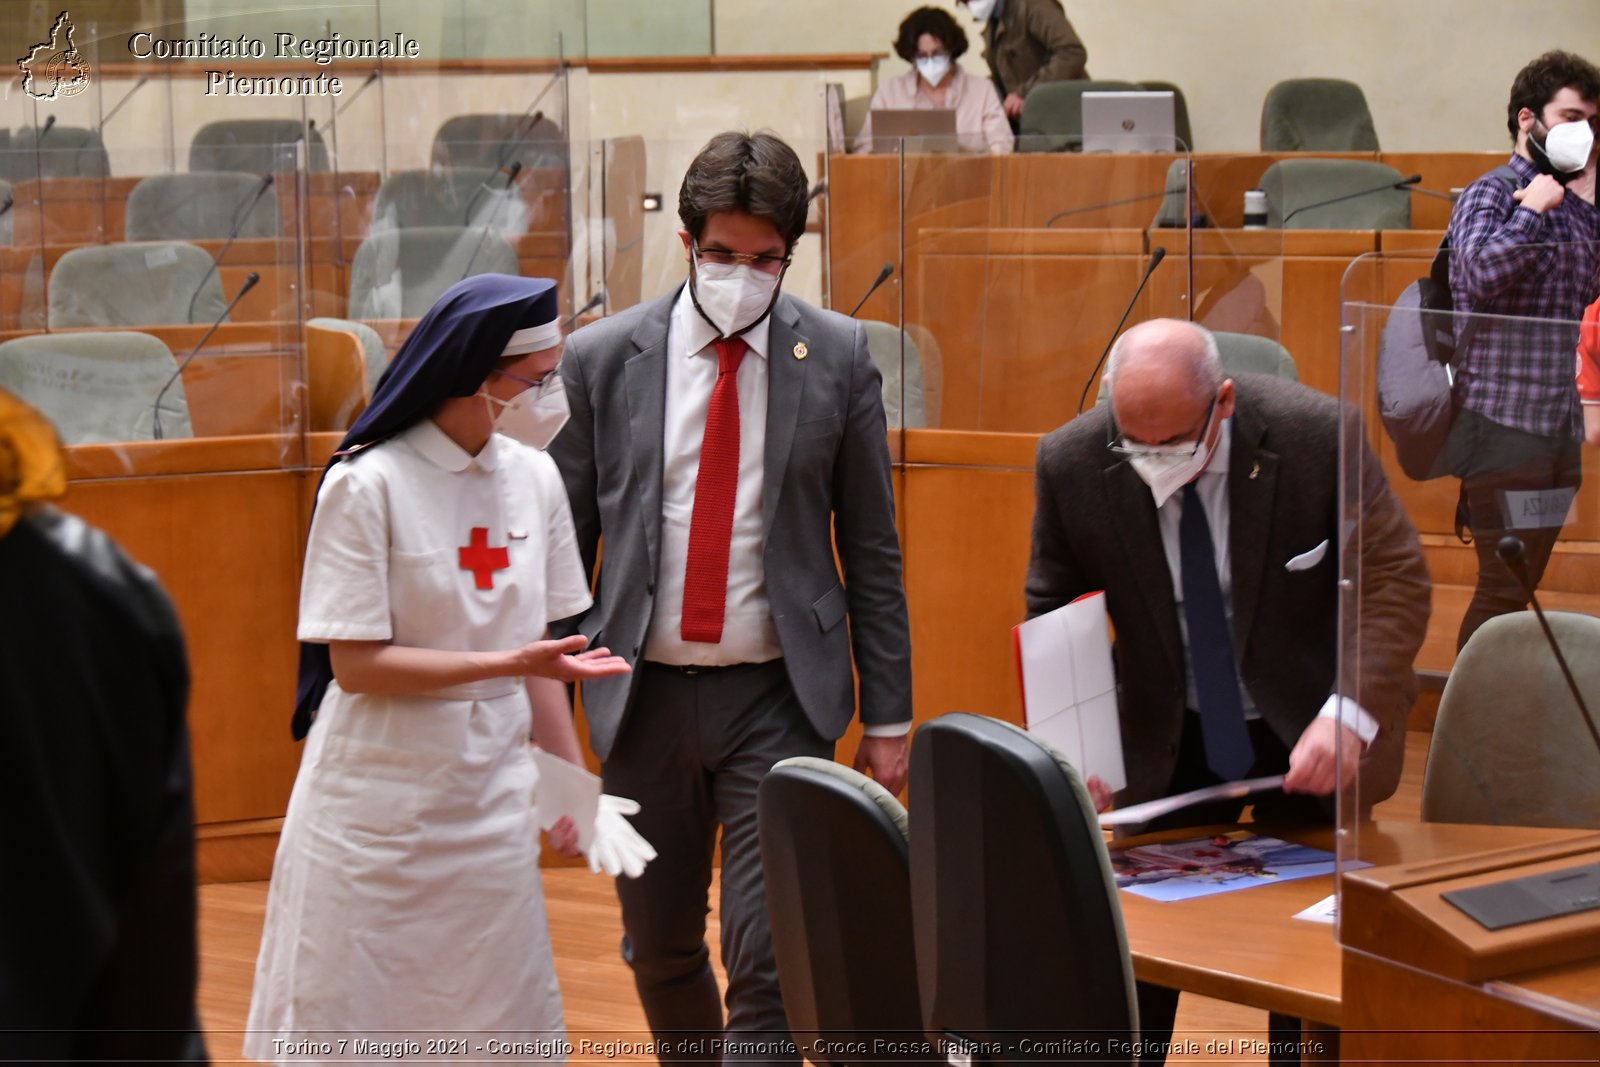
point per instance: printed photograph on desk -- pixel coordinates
(1203, 866)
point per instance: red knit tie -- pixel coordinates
(705, 576)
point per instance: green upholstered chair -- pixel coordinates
(97, 387)
(63, 152)
(1509, 745)
(201, 205)
(448, 196)
(136, 283)
(497, 141)
(895, 354)
(259, 146)
(398, 274)
(1317, 115)
(1292, 185)
(1018, 926)
(834, 860)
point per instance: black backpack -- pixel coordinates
(1416, 357)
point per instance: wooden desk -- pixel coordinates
(1247, 948)
(1423, 982)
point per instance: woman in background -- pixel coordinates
(931, 42)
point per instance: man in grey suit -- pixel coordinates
(724, 441)
(1208, 510)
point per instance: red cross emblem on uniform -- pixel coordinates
(481, 560)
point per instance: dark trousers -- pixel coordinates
(692, 753)
(1158, 1005)
(1516, 483)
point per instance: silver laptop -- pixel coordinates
(923, 129)
(1129, 122)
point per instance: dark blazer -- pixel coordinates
(826, 485)
(1095, 528)
(1031, 41)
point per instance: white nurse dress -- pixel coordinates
(406, 903)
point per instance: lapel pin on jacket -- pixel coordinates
(800, 350)
(1255, 469)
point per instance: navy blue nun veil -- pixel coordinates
(449, 354)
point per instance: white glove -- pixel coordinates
(616, 848)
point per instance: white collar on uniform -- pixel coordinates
(698, 333)
(435, 446)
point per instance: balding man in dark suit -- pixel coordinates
(1208, 510)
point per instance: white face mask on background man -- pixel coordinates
(933, 68)
(535, 415)
(981, 9)
(733, 296)
(1566, 146)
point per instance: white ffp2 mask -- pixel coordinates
(1567, 146)
(933, 68)
(1166, 473)
(733, 296)
(981, 9)
(533, 416)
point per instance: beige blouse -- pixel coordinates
(980, 122)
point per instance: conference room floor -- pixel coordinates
(596, 985)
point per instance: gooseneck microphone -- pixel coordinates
(484, 187)
(5, 207)
(1113, 203)
(883, 276)
(109, 115)
(1403, 183)
(594, 301)
(250, 281)
(817, 190)
(1510, 551)
(49, 121)
(240, 214)
(1155, 260)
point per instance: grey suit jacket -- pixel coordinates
(826, 485)
(1095, 527)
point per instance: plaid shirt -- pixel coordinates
(1509, 260)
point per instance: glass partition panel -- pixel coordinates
(157, 306)
(1016, 269)
(1485, 457)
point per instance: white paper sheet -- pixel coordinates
(1069, 691)
(1139, 814)
(565, 789)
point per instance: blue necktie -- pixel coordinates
(1216, 677)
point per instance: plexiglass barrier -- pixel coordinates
(1484, 457)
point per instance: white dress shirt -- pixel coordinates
(748, 632)
(1212, 489)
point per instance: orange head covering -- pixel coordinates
(31, 466)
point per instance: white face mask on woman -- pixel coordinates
(535, 415)
(933, 68)
(733, 296)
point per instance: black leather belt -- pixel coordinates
(691, 670)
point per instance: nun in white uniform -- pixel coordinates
(406, 914)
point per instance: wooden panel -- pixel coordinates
(1018, 334)
(1441, 172)
(227, 549)
(964, 578)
